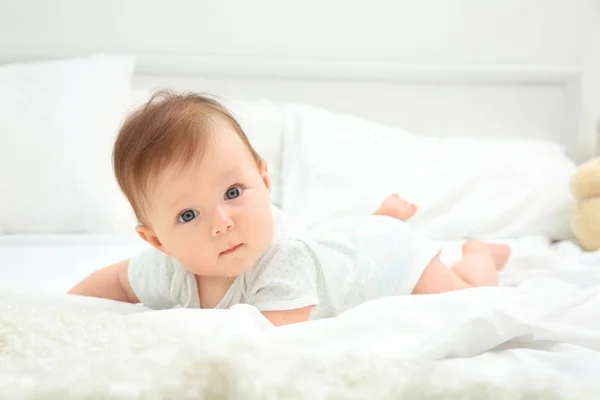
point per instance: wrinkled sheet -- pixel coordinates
(540, 329)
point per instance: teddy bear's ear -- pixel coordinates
(585, 183)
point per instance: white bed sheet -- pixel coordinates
(539, 337)
(52, 264)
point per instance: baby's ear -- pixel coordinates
(147, 234)
(264, 173)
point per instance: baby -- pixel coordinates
(201, 194)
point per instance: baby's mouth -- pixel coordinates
(232, 249)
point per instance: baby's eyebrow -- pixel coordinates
(178, 202)
(227, 174)
(174, 204)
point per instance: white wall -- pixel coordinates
(541, 32)
(487, 31)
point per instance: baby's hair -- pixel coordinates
(169, 130)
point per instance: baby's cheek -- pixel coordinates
(266, 234)
(190, 253)
(198, 265)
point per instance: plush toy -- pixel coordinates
(585, 221)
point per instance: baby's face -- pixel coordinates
(216, 220)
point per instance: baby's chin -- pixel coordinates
(240, 264)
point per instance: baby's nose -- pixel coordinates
(222, 223)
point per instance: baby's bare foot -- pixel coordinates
(394, 206)
(500, 252)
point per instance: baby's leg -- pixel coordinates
(471, 271)
(437, 278)
(500, 252)
(477, 269)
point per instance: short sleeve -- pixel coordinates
(160, 282)
(286, 279)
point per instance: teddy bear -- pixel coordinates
(585, 219)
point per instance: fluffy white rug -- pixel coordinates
(49, 352)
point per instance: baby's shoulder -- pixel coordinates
(285, 275)
(285, 251)
(283, 259)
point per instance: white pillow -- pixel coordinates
(57, 124)
(336, 164)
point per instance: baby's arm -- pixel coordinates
(111, 282)
(146, 278)
(284, 287)
(287, 317)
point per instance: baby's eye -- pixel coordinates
(233, 192)
(188, 215)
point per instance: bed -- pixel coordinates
(537, 335)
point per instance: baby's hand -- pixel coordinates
(397, 207)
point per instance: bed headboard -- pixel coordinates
(485, 101)
(481, 68)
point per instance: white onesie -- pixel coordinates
(334, 266)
